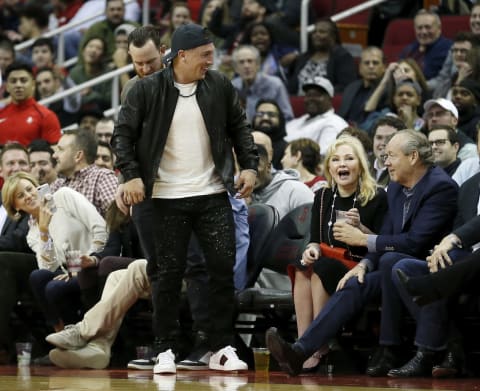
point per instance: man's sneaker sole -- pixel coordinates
(141, 364)
(191, 365)
(80, 358)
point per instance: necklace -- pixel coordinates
(188, 96)
(332, 211)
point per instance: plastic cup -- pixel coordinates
(73, 261)
(144, 352)
(261, 357)
(24, 353)
(340, 215)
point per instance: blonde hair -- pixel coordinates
(9, 191)
(367, 188)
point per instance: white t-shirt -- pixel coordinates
(187, 168)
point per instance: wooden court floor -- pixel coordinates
(51, 378)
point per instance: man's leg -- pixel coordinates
(339, 309)
(96, 333)
(215, 231)
(392, 305)
(15, 269)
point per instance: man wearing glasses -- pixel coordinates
(270, 120)
(442, 111)
(455, 67)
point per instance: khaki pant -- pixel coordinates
(122, 289)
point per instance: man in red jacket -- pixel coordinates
(23, 119)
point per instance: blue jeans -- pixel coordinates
(58, 300)
(432, 320)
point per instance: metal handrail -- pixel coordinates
(90, 83)
(305, 28)
(62, 29)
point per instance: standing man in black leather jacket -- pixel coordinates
(173, 142)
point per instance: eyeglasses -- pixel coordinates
(269, 114)
(439, 142)
(459, 50)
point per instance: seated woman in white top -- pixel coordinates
(59, 223)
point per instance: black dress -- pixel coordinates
(330, 270)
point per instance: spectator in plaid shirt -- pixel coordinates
(75, 155)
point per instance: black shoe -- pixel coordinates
(43, 361)
(420, 296)
(453, 364)
(381, 362)
(289, 359)
(419, 366)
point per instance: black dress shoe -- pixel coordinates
(419, 366)
(382, 361)
(420, 291)
(452, 365)
(289, 359)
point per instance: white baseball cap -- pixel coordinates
(322, 82)
(443, 103)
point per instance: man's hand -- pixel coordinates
(245, 183)
(119, 200)
(439, 259)
(358, 271)
(133, 191)
(346, 233)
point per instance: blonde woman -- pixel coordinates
(352, 190)
(66, 221)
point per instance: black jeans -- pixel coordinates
(15, 269)
(165, 227)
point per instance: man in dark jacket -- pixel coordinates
(173, 142)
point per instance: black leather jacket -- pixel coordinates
(143, 123)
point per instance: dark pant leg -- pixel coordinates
(433, 319)
(461, 277)
(15, 269)
(342, 306)
(142, 216)
(215, 230)
(63, 298)
(38, 282)
(164, 229)
(196, 278)
(392, 305)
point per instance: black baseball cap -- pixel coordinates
(185, 37)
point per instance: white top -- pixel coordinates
(187, 168)
(75, 225)
(322, 128)
(467, 168)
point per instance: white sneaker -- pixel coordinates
(90, 356)
(227, 360)
(165, 363)
(67, 339)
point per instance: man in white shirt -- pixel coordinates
(320, 123)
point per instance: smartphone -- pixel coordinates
(43, 190)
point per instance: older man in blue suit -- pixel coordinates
(422, 201)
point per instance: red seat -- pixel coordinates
(399, 33)
(452, 24)
(297, 105)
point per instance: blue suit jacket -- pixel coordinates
(430, 217)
